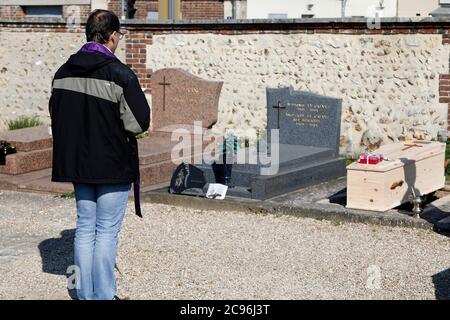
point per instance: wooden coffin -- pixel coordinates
(417, 165)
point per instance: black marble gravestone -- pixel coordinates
(304, 118)
(303, 131)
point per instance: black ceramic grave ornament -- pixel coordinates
(188, 179)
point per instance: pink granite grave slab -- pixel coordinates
(39, 181)
(23, 162)
(157, 162)
(180, 98)
(28, 139)
(46, 185)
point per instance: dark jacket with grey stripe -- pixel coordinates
(97, 107)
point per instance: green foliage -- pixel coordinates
(68, 195)
(230, 143)
(24, 122)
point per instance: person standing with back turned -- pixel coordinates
(97, 107)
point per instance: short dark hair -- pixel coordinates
(100, 25)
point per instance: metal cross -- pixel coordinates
(164, 84)
(278, 106)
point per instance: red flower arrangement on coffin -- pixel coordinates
(371, 158)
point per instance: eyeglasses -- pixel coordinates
(121, 35)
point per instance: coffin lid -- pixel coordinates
(400, 154)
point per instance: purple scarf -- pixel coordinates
(97, 47)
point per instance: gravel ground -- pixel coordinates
(177, 253)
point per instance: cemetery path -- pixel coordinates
(181, 253)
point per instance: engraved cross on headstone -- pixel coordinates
(278, 106)
(164, 84)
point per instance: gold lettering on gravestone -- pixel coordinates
(192, 90)
(307, 115)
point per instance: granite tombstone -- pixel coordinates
(304, 118)
(180, 99)
(303, 131)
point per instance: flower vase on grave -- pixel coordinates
(222, 171)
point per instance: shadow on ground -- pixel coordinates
(434, 215)
(339, 197)
(431, 213)
(57, 255)
(441, 282)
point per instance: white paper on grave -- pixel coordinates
(216, 191)
(49, 129)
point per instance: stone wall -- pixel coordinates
(394, 81)
(137, 43)
(389, 84)
(29, 57)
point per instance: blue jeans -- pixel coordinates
(100, 212)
